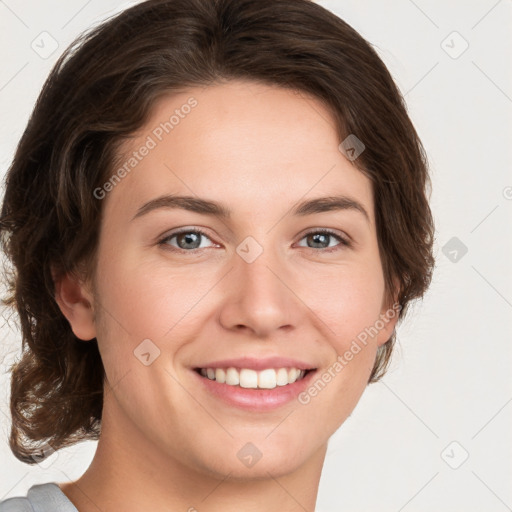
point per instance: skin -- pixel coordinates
(165, 441)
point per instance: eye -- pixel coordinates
(321, 237)
(186, 239)
(189, 240)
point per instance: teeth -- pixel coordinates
(267, 379)
(220, 375)
(246, 378)
(232, 377)
(293, 373)
(282, 377)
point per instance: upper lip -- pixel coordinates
(259, 363)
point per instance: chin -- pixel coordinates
(257, 460)
(275, 465)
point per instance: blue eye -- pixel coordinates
(186, 239)
(320, 237)
(189, 240)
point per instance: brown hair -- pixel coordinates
(101, 91)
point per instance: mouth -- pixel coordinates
(254, 383)
(255, 391)
(247, 378)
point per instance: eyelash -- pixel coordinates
(343, 242)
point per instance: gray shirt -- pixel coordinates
(40, 498)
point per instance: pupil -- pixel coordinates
(193, 238)
(188, 237)
(317, 235)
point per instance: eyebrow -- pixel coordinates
(207, 207)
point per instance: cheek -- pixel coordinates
(148, 299)
(347, 300)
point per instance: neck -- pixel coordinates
(129, 472)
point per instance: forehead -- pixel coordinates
(246, 144)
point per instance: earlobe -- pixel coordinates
(76, 303)
(385, 334)
(389, 317)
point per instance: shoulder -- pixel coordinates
(16, 505)
(40, 498)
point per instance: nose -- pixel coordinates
(259, 295)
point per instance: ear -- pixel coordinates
(76, 303)
(389, 315)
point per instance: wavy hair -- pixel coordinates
(101, 91)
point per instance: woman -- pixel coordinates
(216, 217)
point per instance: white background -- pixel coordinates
(450, 378)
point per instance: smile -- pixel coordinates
(268, 378)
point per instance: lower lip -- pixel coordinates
(256, 400)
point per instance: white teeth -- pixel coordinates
(220, 375)
(267, 379)
(247, 378)
(282, 377)
(292, 375)
(232, 377)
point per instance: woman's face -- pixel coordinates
(262, 282)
